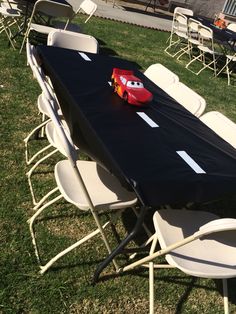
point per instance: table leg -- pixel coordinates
(121, 246)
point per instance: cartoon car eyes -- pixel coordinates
(135, 84)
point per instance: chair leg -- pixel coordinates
(225, 294)
(26, 140)
(30, 172)
(31, 225)
(70, 248)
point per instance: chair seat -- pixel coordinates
(208, 50)
(181, 34)
(211, 257)
(99, 183)
(41, 28)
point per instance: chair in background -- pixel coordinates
(198, 243)
(161, 76)
(206, 49)
(87, 7)
(179, 36)
(193, 37)
(50, 9)
(9, 16)
(188, 98)
(232, 27)
(221, 125)
(84, 184)
(181, 10)
(71, 40)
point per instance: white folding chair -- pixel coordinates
(50, 9)
(188, 98)
(206, 49)
(84, 184)
(193, 37)
(221, 125)
(72, 40)
(9, 16)
(186, 12)
(87, 7)
(232, 27)
(179, 36)
(161, 76)
(196, 242)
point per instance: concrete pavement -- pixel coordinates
(159, 19)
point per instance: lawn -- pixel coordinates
(66, 287)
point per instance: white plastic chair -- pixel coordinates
(87, 7)
(84, 184)
(221, 125)
(206, 48)
(48, 8)
(196, 242)
(161, 76)
(183, 11)
(71, 40)
(9, 16)
(179, 36)
(232, 27)
(188, 98)
(193, 37)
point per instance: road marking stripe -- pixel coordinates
(190, 161)
(148, 120)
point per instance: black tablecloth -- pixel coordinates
(144, 158)
(222, 35)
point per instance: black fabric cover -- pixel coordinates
(143, 158)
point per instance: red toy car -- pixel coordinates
(130, 88)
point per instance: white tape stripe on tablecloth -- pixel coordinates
(148, 120)
(84, 56)
(189, 160)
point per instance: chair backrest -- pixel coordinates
(232, 27)
(221, 125)
(193, 25)
(193, 35)
(184, 11)
(53, 9)
(188, 98)
(180, 24)
(88, 7)
(161, 76)
(72, 40)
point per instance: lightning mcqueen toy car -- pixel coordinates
(130, 88)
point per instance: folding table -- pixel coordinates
(162, 152)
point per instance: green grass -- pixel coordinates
(66, 288)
